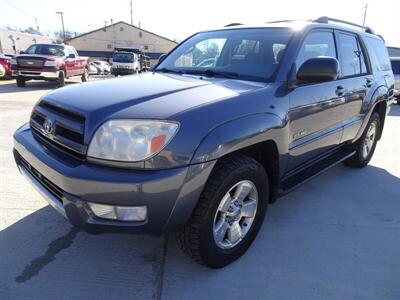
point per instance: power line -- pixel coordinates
(28, 14)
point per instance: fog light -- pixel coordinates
(120, 213)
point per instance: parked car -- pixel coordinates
(395, 61)
(2, 71)
(104, 66)
(204, 150)
(94, 69)
(5, 63)
(52, 62)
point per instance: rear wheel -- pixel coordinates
(229, 213)
(61, 79)
(366, 145)
(21, 82)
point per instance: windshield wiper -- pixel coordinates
(212, 73)
(165, 70)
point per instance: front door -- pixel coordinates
(316, 111)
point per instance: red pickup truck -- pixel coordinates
(52, 62)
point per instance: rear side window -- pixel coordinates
(378, 53)
(396, 67)
(316, 44)
(352, 59)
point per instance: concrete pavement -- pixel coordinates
(337, 237)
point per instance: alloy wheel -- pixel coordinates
(235, 214)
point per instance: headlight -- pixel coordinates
(131, 140)
(50, 63)
(13, 61)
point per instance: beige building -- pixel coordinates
(100, 43)
(12, 42)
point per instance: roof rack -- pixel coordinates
(328, 19)
(233, 24)
(281, 21)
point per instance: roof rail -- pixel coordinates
(281, 21)
(233, 24)
(328, 19)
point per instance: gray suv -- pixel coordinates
(227, 122)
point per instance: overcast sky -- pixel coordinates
(176, 19)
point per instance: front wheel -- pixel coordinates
(366, 145)
(61, 79)
(85, 75)
(21, 82)
(229, 213)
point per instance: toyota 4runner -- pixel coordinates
(228, 121)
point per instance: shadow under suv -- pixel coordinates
(226, 123)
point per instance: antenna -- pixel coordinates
(365, 13)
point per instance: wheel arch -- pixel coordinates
(377, 104)
(260, 136)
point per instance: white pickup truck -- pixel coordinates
(129, 61)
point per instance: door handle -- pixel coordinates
(369, 82)
(340, 90)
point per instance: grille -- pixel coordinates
(30, 62)
(66, 130)
(47, 184)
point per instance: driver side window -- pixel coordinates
(318, 43)
(203, 54)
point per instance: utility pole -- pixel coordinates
(62, 23)
(37, 26)
(113, 33)
(365, 13)
(131, 13)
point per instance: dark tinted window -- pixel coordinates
(316, 44)
(396, 67)
(378, 53)
(352, 59)
(46, 50)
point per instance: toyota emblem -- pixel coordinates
(48, 126)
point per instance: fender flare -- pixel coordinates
(241, 133)
(380, 95)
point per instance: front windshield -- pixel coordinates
(123, 57)
(46, 50)
(249, 54)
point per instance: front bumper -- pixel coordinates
(117, 71)
(34, 74)
(68, 185)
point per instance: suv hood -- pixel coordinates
(152, 95)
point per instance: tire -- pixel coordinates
(85, 75)
(197, 237)
(61, 79)
(361, 158)
(21, 82)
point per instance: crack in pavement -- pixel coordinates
(55, 247)
(159, 280)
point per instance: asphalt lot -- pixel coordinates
(337, 237)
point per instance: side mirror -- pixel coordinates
(71, 55)
(162, 57)
(319, 69)
(21, 52)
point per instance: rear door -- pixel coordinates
(80, 62)
(316, 110)
(355, 79)
(69, 62)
